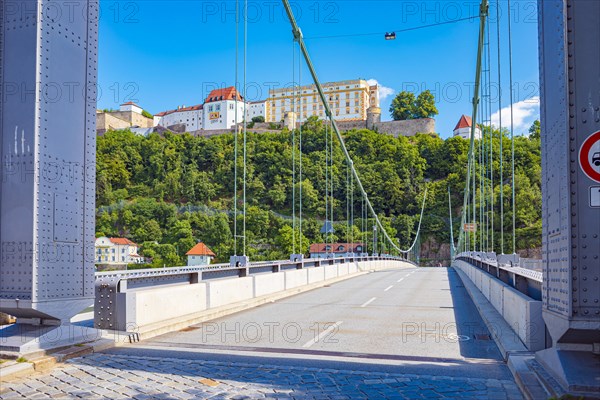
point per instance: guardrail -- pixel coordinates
(215, 271)
(507, 268)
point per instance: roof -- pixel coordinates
(223, 94)
(181, 109)
(335, 247)
(122, 241)
(464, 122)
(200, 250)
(130, 103)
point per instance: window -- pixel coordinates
(341, 248)
(122, 258)
(113, 258)
(122, 250)
(218, 107)
(113, 251)
(327, 248)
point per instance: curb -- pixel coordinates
(47, 362)
(514, 352)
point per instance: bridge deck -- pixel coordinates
(377, 348)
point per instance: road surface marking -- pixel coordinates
(322, 335)
(400, 280)
(388, 288)
(369, 302)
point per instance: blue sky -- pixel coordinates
(162, 54)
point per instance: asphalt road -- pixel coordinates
(418, 321)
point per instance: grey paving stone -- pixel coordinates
(112, 376)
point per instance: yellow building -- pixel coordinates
(348, 100)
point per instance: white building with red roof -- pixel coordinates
(117, 251)
(192, 117)
(216, 113)
(200, 254)
(130, 106)
(463, 128)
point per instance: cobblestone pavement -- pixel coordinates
(121, 377)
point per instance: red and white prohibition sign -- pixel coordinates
(589, 156)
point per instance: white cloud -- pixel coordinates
(524, 113)
(384, 91)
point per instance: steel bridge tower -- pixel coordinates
(569, 36)
(48, 72)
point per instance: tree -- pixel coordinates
(535, 130)
(258, 120)
(403, 106)
(425, 106)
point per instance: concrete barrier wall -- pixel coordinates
(331, 271)
(353, 268)
(343, 269)
(268, 283)
(169, 307)
(229, 291)
(151, 306)
(522, 313)
(294, 279)
(316, 275)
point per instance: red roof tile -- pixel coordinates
(223, 94)
(122, 241)
(130, 103)
(200, 250)
(464, 122)
(191, 108)
(335, 248)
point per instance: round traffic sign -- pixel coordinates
(589, 156)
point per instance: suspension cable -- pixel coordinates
(491, 137)
(327, 184)
(300, 145)
(452, 248)
(245, 113)
(293, 104)
(332, 201)
(499, 18)
(512, 133)
(483, 18)
(298, 35)
(236, 127)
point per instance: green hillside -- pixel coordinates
(168, 192)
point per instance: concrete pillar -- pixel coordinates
(569, 36)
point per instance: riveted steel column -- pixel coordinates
(48, 72)
(569, 35)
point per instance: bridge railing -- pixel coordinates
(522, 274)
(116, 291)
(142, 278)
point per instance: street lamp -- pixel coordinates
(390, 36)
